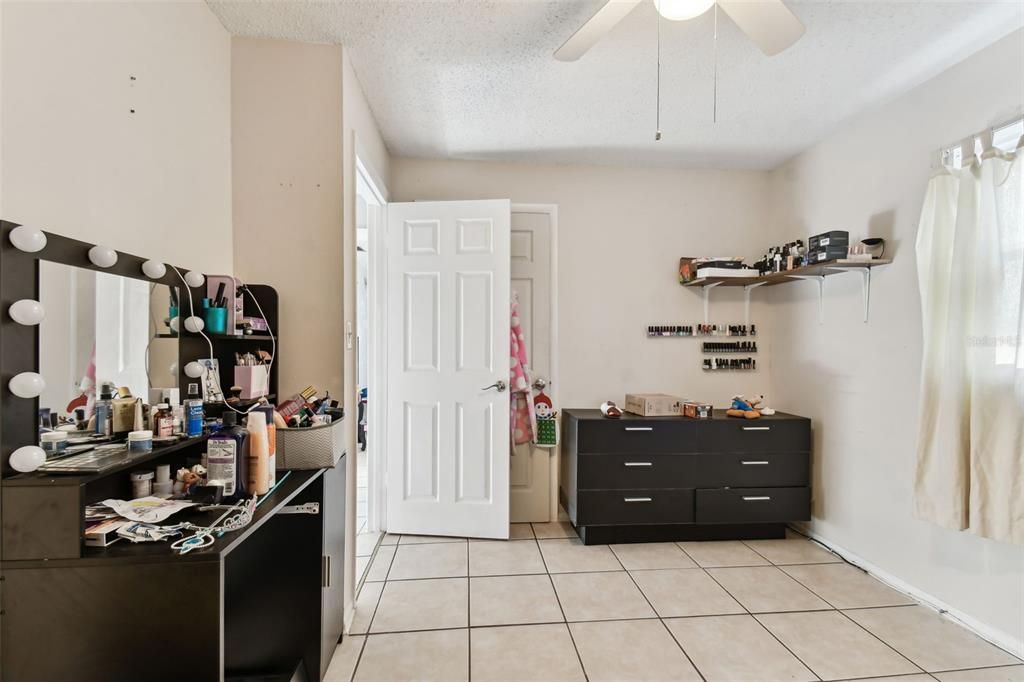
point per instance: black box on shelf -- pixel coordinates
(832, 238)
(826, 253)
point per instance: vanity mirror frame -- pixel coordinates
(19, 344)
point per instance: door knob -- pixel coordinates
(539, 384)
(499, 384)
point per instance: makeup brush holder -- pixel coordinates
(253, 380)
(216, 320)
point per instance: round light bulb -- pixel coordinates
(26, 385)
(194, 324)
(680, 10)
(154, 269)
(194, 279)
(28, 239)
(173, 369)
(175, 324)
(102, 256)
(193, 370)
(27, 312)
(28, 458)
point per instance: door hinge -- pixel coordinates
(307, 508)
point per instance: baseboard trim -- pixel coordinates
(995, 636)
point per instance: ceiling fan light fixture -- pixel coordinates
(681, 10)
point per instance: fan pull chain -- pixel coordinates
(657, 112)
(714, 106)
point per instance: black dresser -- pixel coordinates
(648, 479)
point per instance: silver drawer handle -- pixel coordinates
(639, 428)
(637, 499)
(637, 464)
(749, 462)
(762, 498)
(757, 428)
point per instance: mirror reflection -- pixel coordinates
(102, 330)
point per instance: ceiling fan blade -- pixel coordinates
(589, 33)
(769, 23)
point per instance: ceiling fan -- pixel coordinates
(769, 23)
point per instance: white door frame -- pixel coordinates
(378, 367)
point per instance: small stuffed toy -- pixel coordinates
(743, 408)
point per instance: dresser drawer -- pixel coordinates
(637, 435)
(753, 505)
(628, 507)
(624, 472)
(755, 435)
(752, 470)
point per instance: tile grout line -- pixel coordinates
(558, 600)
(756, 620)
(898, 652)
(359, 657)
(660, 619)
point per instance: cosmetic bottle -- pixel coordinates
(104, 410)
(272, 445)
(193, 412)
(225, 457)
(163, 421)
(258, 452)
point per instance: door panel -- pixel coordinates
(531, 279)
(448, 338)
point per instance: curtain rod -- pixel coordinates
(967, 144)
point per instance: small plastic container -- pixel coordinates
(142, 484)
(140, 442)
(53, 442)
(216, 320)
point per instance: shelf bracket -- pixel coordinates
(865, 275)
(707, 300)
(746, 301)
(821, 293)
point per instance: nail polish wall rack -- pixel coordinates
(725, 347)
(702, 330)
(729, 364)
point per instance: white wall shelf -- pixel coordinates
(817, 273)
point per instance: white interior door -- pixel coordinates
(531, 278)
(448, 368)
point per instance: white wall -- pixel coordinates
(621, 234)
(859, 382)
(75, 160)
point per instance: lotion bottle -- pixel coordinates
(258, 452)
(225, 457)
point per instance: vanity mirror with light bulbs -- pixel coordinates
(75, 317)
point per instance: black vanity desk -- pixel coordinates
(258, 604)
(651, 479)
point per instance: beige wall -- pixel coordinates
(621, 232)
(859, 382)
(287, 160)
(75, 160)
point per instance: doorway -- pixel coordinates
(532, 254)
(534, 470)
(369, 216)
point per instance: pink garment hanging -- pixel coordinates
(522, 417)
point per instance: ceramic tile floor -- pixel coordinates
(366, 541)
(544, 607)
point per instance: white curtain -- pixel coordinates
(970, 259)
